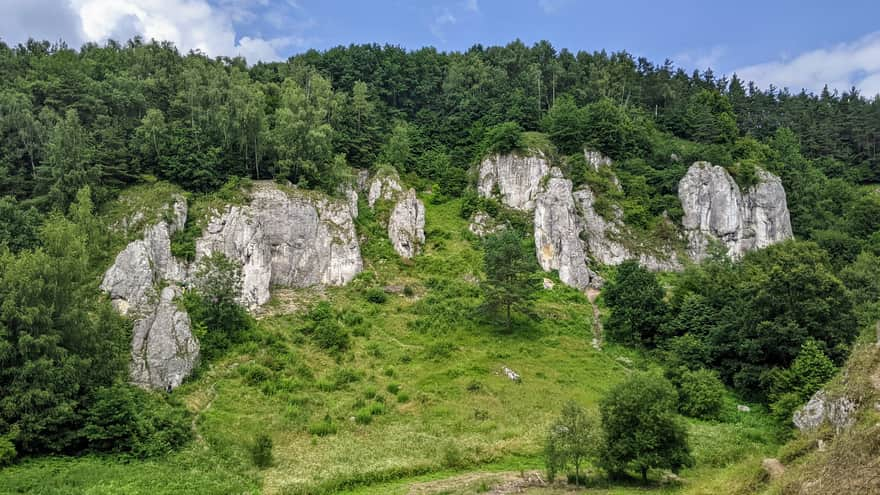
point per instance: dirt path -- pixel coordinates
(503, 483)
(592, 294)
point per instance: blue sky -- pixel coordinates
(789, 43)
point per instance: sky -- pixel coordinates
(793, 44)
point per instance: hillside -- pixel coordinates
(371, 270)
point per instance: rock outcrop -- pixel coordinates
(284, 238)
(385, 186)
(164, 350)
(517, 178)
(482, 224)
(839, 412)
(716, 208)
(290, 239)
(406, 227)
(557, 234)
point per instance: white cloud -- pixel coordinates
(471, 6)
(189, 24)
(445, 18)
(842, 66)
(701, 60)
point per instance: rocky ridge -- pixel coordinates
(406, 224)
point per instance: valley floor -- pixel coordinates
(418, 404)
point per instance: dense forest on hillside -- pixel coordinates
(77, 127)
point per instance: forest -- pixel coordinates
(80, 126)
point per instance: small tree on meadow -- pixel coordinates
(642, 430)
(573, 439)
(509, 267)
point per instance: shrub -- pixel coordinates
(453, 456)
(255, 374)
(363, 416)
(126, 419)
(393, 388)
(261, 450)
(701, 394)
(375, 296)
(502, 138)
(323, 428)
(7, 451)
(402, 397)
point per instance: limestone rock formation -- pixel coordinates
(716, 208)
(839, 412)
(145, 262)
(384, 186)
(517, 178)
(290, 239)
(164, 351)
(286, 238)
(482, 224)
(557, 234)
(163, 348)
(406, 227)
(604, 237)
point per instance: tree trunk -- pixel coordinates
(645, 474)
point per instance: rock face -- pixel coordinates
(164, 350)
(839, 412)
(293, 239)
(557, 234)
(716, 208)
(406, 227)
(482, 224)
(286, 239)
(517, 178)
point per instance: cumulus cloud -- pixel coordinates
(189, 24)
(841, 67)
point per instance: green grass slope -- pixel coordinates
(419, 395)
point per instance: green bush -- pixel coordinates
(323, 428)
(701, 394)
(393, 388)
(402, 397)
(126, 419)
(261, 450)
(7, 451)
(363, 416)
(325, 330)
(502, 138)
(375, 296)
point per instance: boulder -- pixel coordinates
(557, 234)
(406, 226)
(163, 348)
(716, 209)
(482, 224)
(517, 178)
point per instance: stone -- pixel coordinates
(716, 209)
(839, 412)
(163, 349)
(290, 239)
(517, 178)
(406, 226)
(513, 375)
(548, 284)
(557, 234)
(482, 224)
(742, 408)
